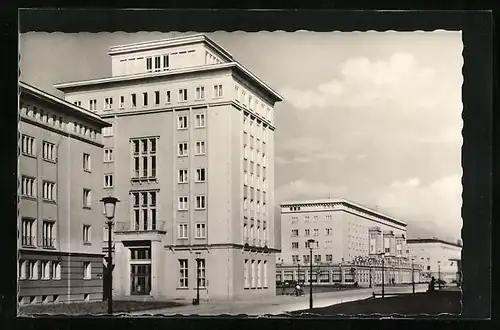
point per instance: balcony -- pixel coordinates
(48, 243)
(28, 241)
(152, 231)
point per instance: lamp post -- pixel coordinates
(383, 280)
(109, 205)
(439, 275)
(197, 278)
(370, 272)
(310, 242)
(298, 272)
(412, 275)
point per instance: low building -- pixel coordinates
(59, 218)
(439, 258)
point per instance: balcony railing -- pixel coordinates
(48, 242)
(28, 241)
(151, 226)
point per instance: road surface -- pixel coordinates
(278, 304)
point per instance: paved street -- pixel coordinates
(278, 304)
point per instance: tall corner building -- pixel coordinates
(59, 218)
(190, 154)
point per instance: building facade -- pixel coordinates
(342, 231)
(439, 258)
(349, 240)
(60, 219)
(190, 155)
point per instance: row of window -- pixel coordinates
(39, 269)
(306, 258)
(295, 245)
(251, 102)
(200, 231)
(29, 233)
(201, 203)
(307, 232)
(29, 189)
(183, 121)
(184, 273)
(199, 172)
(255, 205)
(154, 98)
(47, 270)
(255, 274)
(307, 218)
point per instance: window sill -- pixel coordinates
(200, 126)
(200, 238)
(182, 288)
(87, 243)
(87, 208)
(53, 161)
(49, 201)
(32, 198)
(203, 154)
(200, 209)
(28, 155)
(183, 210)
(86, 170)
(108, 161)
(87, 279)
(48, 247)
(182, 128)
(200, 181)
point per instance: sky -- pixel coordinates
(372, 117)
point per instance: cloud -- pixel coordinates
(361, 82)
(436, 206)
(307, 149)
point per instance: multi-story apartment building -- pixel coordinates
(342, 231)
(439, 258)
(190, 156)
(60, 219)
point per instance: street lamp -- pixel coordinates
(412, 275)
(197, 278)
(109, 206)
(383, 280)
(310, 242)
(439, 275)
(370, 272)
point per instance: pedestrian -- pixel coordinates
(432, 284)
(298, 290)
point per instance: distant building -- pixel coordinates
(342, 230)
(190, 155)
(438, 257)
(349, 239)
(60, 216)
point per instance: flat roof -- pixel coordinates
(345, 202)
(430, 240)
(40, 94)
(234, 65)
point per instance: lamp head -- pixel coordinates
(109, 206)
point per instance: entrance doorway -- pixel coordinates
(140, 279)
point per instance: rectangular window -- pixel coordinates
(108, 155)
(246, 273)
(201, 267)
(200, 93)
(87, 198)
(183, 176)
(122, 102)
(183, 97)
(45, 267)
(183, 273)
(200, 202)
(329, 231)
(182, 230)
(295, 245)
(165, 62)
(78, 103)
(200, 175)
(253, 274)
(307, 232)
(93, 105)
(28, 145)
(87, 271)
(86, 162)
(144, 166)
(144, 209)
(167, 97)
(200, 120)
(201, 230)
(28, 187)
(157, 97)
(108, 103)
(295, 232)
(157, 63)
(182, 122)
(264, 276)
(145, 99)
(108, 180)
(200, 147)
(56, 270)
(217, 90)
(48, 239)
(28, 232)
(149, 64)
(32, 269)
(49, 151)
(183, 203)
(48, 192)
(133, 100)
(86, 234)
(183, 149)
(140, 254)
